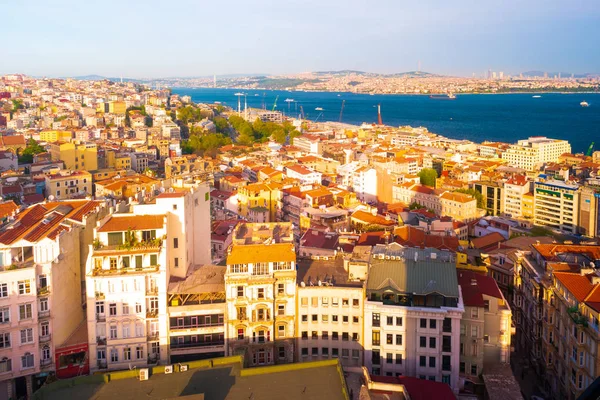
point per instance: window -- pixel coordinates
(261, 293)
(314, 301)
(334, 318)
(447, 325)
(280, 288)
(176, 260)
(335, 352)
(355, 353)
(334, 336)
(355, 337)
(314, 318)
(474, 312)
(24, 311)
(126, 354)
(486, 338)
(355, 303)
(175, 243)
(125, 330)
(486, 305)
(315, 335)
(325, 335)
(345, 336)
(375, 338)
(315, 351)
(304, 318)
(304, 301)
(305, 335)
(153, 259)
(27, 360)
(345, 302)
(431, 362)
(139, 352)
(3, 290)
(44, 304)
(355, 319)
(389, 339)
(281, 331)
(473, 331)
(305, 351)
(139, 330)
(281, 352)
(473, 369)
(114, 355)
(45, 329)
(390, 320)
(399, 359)
(138, 308)
(375, 357)
(112, 309)
(125, 309)
(423, 323)
(432, 324)
(462, 367)
(422, 361)
(325, 301)
(240, 334)
(174, 206)
(398, 321)
(432, 342)
(24, 287)
(325, 351)
(113, 331)
(345, 353)
(281, 309)
(376, 319)
(334, 301)
(4, 340)
(398, 340)
(389, 358)
(422, 341)
(4, 315)
(5, 365)
(240, 291)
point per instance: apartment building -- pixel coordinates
(485, 328)
(260, 288)
(308, 143)
(126, 279)
(68, 184)
(532, 153)
(364, 184)
(329, 315)
(197, 315)
(459, 206)
(556, 205)
(303, 174)
(412, 314)
(492, 193)
(260, 202)
(589, 211)
(55, 136)
(76, 156)
(514, 190)
(40, 289)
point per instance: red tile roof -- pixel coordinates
(412, 237)
(8, 208)
(475, 285)
(488, 242)
(419, 389)
(120, 223)
(579, 285)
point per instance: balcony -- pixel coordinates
(197, 344)
(152, 314)
(43, 291)
(100, 341)
(202, 325)
(447, 349)
(102, 364)
(101, 317)
(153, 336)
(100, 296)
(44, 314)
(152, 291)
(45, 338)
(45, 362)
(125, 271)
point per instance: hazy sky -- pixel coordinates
(204, 37)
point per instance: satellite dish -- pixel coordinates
(51, 198)
(162, 190)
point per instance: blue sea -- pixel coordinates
(476, 117)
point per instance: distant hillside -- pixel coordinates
(540, 74)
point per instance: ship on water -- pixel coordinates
(448, 96)
(584, 104)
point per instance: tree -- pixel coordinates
(428, 176)
(221, 125)
(33, 148)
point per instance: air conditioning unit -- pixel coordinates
(168, 369)
(183, 368)
(143, 374)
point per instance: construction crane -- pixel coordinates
(590, 150)
(275, 103)
(342, 110)
(301, 112)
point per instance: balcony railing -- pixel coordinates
(100, 341)
(44, 314)
(100, 296)
(43, 291)
(101, 317)
(45, 338)
(45, 362)
(102, 364)
(447, 349)
(153, 336)
(197, 344)
(152, 314)
(211, 324)
(152, 291)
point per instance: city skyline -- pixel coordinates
(458, 40)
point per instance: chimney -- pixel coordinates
(473, 282)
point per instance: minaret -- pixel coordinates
(379, 121)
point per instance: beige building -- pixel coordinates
(76, 156)
(459, 206)
(556, 205)
(68, 184)
(329, 316)
(40, 289)
(532, 153)
(260, 287)
(485, 327)
(514, 190)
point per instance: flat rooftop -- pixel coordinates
(311, 380)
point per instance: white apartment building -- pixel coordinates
(40, 289)
(303, 174)
(513, 192)
(412, 314)
(556, 205)
(329, 319)
(308, 143)
(364, 184)
(260, 287)
(531, 153)
(126, 279)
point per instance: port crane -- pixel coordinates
(342, 110)
(590, 150)
(275, 103)
(301, 112)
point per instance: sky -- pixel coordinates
(151, 39)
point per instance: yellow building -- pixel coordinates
(120, 161)
(259, 202)
(69, 184)
(117, 107)
(56, 136)
(459, 206)
(527, 202)
(76, 156)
